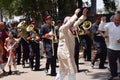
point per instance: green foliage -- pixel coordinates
(109, 5)
(37, 9)
(7, 6)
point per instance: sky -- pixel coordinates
(100, 4)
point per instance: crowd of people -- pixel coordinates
(62, 41)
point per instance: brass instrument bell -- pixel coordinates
(22, 28)
(87, 25)
(21, 24)
(31, 29)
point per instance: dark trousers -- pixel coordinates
(52, 63)
(87, 47)
(34, 55)
(25, 49)
(55, 49)
(51, 58)
(76, 55)
(113, 56)
(101, 51)
(18, 51)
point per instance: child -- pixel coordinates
(10, 45)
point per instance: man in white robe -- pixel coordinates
(66, 46)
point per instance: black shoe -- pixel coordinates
(36, 69)
(4, 71)
(103, 67)
(18, 63)
(53, 74)
(10, 72)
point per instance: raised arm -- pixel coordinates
(102, 23)
(82, 18)
(102, 27)
(69, 21)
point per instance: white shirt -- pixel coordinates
(113, 33)
(101, 28)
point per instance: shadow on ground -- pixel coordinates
(100, 75)
(13, 73)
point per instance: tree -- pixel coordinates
(65, 7)
(110, 5)
(35, 9)
(38, 9)
(6, 6)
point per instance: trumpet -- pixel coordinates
(30, 28)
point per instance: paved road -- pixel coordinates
(86, 73)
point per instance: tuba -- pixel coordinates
(22, 29)
(30, 28)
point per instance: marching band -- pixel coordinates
(80, 35)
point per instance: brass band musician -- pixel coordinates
(34, 38)
(46, 33)
(87, 40)
(23, 34)
(83, 36)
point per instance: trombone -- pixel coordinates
(55, 39)
(30, 28)
(53, 24)
(77, 34)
